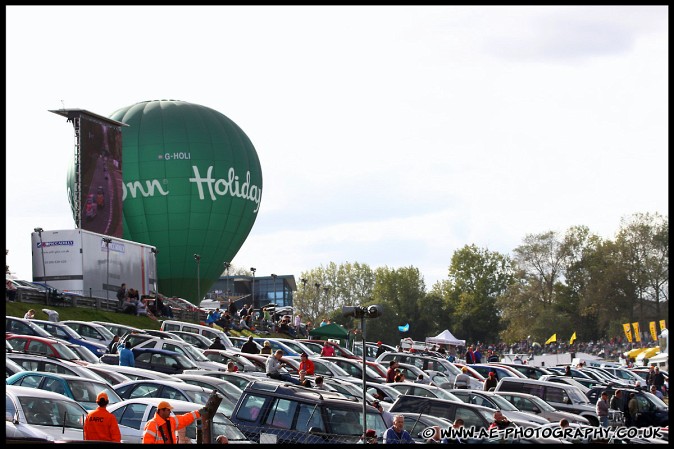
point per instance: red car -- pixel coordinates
(49, 347)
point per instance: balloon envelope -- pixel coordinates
(192, 185)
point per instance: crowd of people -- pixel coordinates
(265, 320)
(130, 302)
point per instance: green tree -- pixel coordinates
(477, 277)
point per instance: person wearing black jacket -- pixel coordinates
(217, 344)
(250, 347)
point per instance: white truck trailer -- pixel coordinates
(93, 265)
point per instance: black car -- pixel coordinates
(473, 415)
(653, 412)
(272, 412)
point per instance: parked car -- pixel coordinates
(296, 346)
(563, 397)
(112, 377)
(91, 331)
(530, 371)
(11, 367)
(184, 348)
(51, 347)
(196, 340)
(371, 350)
(119, 329)
(415, 423)
(314, 345)
(84, 391)
(67, 333)
(491, 400)
(39, 414)
(20, 326)
(32, 362)
(276, 345)
(355, 368)
(533, 404)
(226, 389)
(412, 373)
(653, 412)
(83, 353)
(298, 415)
(484, 369)
(429, 391)
(323, 366)
(133, 414)
(164, 335)
(472, 415)
(208, 332)
(168, 389)
(426, 363)
(239, 380)
(224, 356)
(133, 373)
(160, 360)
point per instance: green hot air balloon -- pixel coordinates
(192, 184)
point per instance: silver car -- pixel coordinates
(533, 404)
(133, 414)
(35, 413)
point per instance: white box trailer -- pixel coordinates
(79, 261)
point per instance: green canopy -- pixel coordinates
(333, 330)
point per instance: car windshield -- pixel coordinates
(659, 403)
(65, 352)
(194, 353)
(85, 354)
(577, 396)
(442, 394)
(336, 369)
(541, 404)
(52, 412)
(503, 404)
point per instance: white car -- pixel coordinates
(133, 414)
(34, 413)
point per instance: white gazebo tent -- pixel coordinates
(445, 338)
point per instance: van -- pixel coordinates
(273, 412)
(208, 332)
(564, 397)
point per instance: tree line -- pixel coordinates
(551, 283)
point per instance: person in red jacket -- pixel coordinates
(161, 429)
(100, 424)
(327, 350)
(306, 364)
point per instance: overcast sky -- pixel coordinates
(391, 136)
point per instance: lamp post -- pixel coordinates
(273, 276)
(318, 288)
(227, 265)
(197, 257)
(155, 251)
(252, 294)
(107, 242)
(44, 270)
(373, 311)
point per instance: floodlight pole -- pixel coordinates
(44, 270)
(362, 326)
(252, 293)
(197, 257)
(227, 265)
(107, 242)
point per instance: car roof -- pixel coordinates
(170, 383)
(295, 391)
(17, 390)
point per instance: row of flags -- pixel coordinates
(628, 332)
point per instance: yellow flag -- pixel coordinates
(637, 335)
(654, 333)
(573, 338)
(628, 331)
(662, 325)
(551, 339)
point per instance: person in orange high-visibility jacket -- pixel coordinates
(162, 428)
(100, 424)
